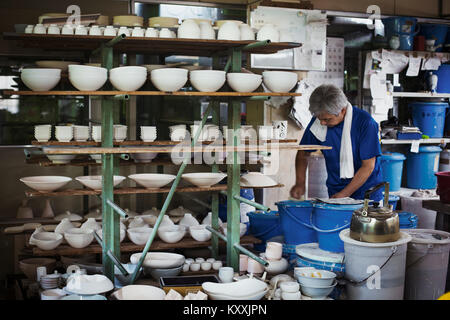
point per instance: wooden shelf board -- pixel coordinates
(190, 47)
(131, 190)
(186, 242)
(150, 93)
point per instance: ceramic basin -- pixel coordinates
(317, 292)
(95, 182)
(204, 179)
(87, 78)
(169, 79)
(152, 180)
(129, 78)
(171, 234)
(200, 233)
(280, 81)
(46, 240)
(242, 229)
(79, 238)
(139, 235)
(244, 82)
(40, 79)
(207, 80)
(45, 183)
(159, 260)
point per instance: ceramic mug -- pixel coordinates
(226, 274)
(274, 250)
(186, 267)
(194, 266)
(206, 266)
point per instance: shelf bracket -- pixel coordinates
(117, 209)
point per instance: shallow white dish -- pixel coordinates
(207, 80)
(88, 284)
(257, 179)
(244, 82)
(87, 78)
(95, 182)
(159, 260)
(242, 288)
(171, 234)
(139, 292)
(40, 79)
(280, 81)
(169, 79)
(129, 78)
(46, 183)
(152, 180)
(204, 179)
(139, 235)
(79, 238)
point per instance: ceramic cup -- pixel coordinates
(110, 31)
(212, 260)
(274, 250)
(124, 30)
(226, 274)
(151, 33)
(137, 32)
(81, 133)
(186, 267)
(199, 260)
(53, 29)
(206, 266)
(148, 133)
(165, 33)
(189, 260)
(40, 29)
(64, 133)
(81, 30)
(194, 266)
(217, 265)
(67, 29)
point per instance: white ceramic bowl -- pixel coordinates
(95, 182)
(140, 235)
(204, 179)
(152, 180)
(40, 79)
(206, 266)
(144, 157)
(242, 229)
(200, 233)
(195, 266)
(87, 78)
(280, 81)
(47, 240)
(159, 260)
(60, 158)
(122, 235)
(316, 278)
(244, 82)
(79, 238)
(169, 79)
(129, 78)
(139, 292)
(318, 292)
(171, 234)
(53, 294)
(207, 80)
(289, 286)
(46, 183)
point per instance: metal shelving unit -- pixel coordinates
(108, 48)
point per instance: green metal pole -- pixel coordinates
(233, 174)
(169, 197)
(117, 209)
(251, 203)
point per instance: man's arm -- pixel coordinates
(359, 178)
(301, 163)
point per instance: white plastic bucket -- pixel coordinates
(374, 271)
(426, 218)
(426, 264)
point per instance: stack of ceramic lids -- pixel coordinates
(50, 281)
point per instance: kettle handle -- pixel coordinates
(375, 188)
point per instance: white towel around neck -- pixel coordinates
(347, 169)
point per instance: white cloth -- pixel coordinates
(347, 169)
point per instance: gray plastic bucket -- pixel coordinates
(374, 271)
(426, 264)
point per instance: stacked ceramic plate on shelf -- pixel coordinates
(50, 281)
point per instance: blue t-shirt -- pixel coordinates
(365, 145)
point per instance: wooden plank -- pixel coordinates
(150, 93)
(436, 205)
(186, 242)
(246, 148)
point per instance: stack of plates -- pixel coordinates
(50, 281)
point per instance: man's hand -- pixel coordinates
(339, 195)
(298, 191)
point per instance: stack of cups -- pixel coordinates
(148, 133)
(81, 133)
(120, 132)
(97, 133)
(290, 290)
(64, 133)
(177, 132)
(43, 132)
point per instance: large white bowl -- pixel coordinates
(139, 292)
(46, 240)
(280, 81)
(159, 260)
(200, 233)
(95, 182)
(87, 78)
(204, 179)
(40, 79)
(79, 238)
(46, 183)
(129, 78)
(152, 180)
(169, 79)
(88, 284)
(172, 234)
(207, 80)
(244, 82)
(139, 235)
(316, 278)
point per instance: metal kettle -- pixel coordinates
(374, 224)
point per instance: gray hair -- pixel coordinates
(327, 98)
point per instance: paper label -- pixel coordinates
(415, 146)
(414, 66)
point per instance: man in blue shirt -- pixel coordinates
(353, 163)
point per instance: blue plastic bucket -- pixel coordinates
(443, 73)
(421, 167)
(434, 31)
(310, 255)
(328, 220)
(404, 28)
(393, 199)
(429, 117)
(392, 168)
(295, 221)
(264, 226)
(408, 220)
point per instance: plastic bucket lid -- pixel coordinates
(428, 236)
(313, 252)
(345, 236)
(424, 149)
(393, 156)
(343, 207)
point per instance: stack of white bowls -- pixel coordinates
(87, 78)
(120, 132)
(177, 132)
(64, 133)
(43, 132)
(290, 290)
(81, 133)
(148, 133)
(40, 79)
